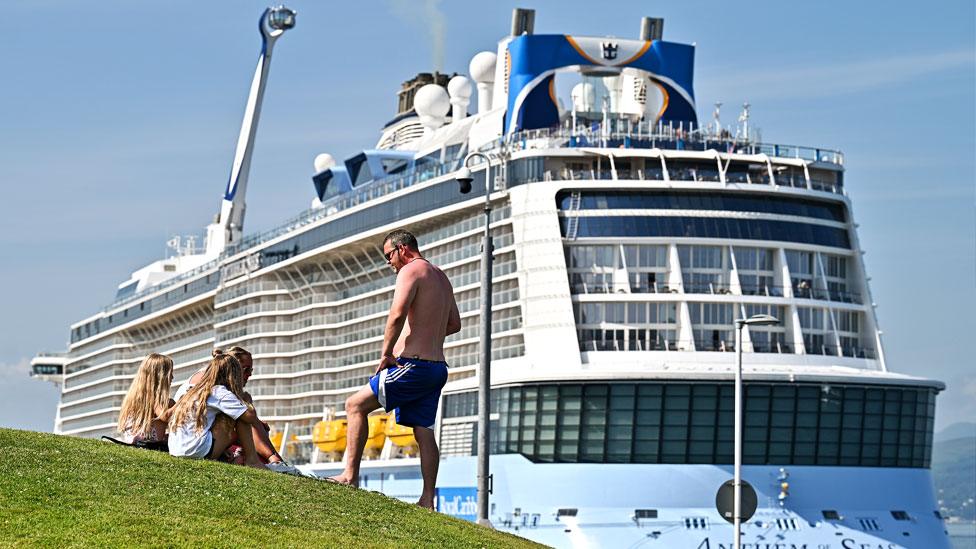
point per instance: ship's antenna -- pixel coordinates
(744, 119)
(230, 223)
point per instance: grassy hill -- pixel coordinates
(62, 491)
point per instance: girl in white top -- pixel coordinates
(204, 421)
(146, 407)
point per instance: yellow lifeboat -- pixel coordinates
(276, 437)
(401, 436)
(276, 440)
(330, 436)
(377, 434)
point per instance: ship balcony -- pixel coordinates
(643, 136)
(620, 340)
(799, 291)
(685, 175)
(661, 158)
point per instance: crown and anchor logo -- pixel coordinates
(609, 50)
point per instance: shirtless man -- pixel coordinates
(411, 371)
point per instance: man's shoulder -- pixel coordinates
(418, 268)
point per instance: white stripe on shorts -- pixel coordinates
(399, 373)
(381, 393)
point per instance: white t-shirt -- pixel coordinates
(185, 387)
(185, 441)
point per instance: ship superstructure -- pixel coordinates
(628, 239)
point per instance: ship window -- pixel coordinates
(900, 515)
(830, 514)
(692, 423)
(645, 513)
(703, 201)
(724, 228)
(359, 171)
(394, 165)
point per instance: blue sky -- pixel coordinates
(118, 122)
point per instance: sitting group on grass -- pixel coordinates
(209, 417)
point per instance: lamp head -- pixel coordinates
(464, 179)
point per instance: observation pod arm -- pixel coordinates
(230, 224)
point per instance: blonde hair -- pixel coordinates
(148, 395)
(224, 370)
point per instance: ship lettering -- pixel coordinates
(851, 543)
(456, 507)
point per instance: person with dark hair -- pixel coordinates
(212, 414)
(261, 434)
(411, 371)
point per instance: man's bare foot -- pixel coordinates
(256, 464)
(344, 479)
(426, 503)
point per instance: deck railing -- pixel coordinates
(632, 136)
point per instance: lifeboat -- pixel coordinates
(401, 436)
(276, 437)
(276, 440)
(377, 435)
(330, 436)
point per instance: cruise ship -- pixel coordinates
(628, 239)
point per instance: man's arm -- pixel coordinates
(454, 318)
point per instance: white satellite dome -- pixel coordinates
(482, 67)
(323, 162)
(432, 100)
(459, 86)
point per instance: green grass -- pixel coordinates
(63, 491)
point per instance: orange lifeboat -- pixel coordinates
(330, 436)
(276, 437)
(377, 435)
(401, 436)
(276, 440)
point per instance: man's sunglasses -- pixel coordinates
(389, 254)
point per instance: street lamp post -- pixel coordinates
(464, 178)
(756, 320)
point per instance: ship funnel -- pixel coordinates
(523, 21)
(652, 28)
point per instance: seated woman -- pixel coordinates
(261, 432)
(145, 409)
(195, 430)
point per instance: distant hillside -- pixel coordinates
(69, 492)
(954, 475)
(956, 430)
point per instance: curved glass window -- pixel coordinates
(658, 422)
(644, 200)
(706, 227)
